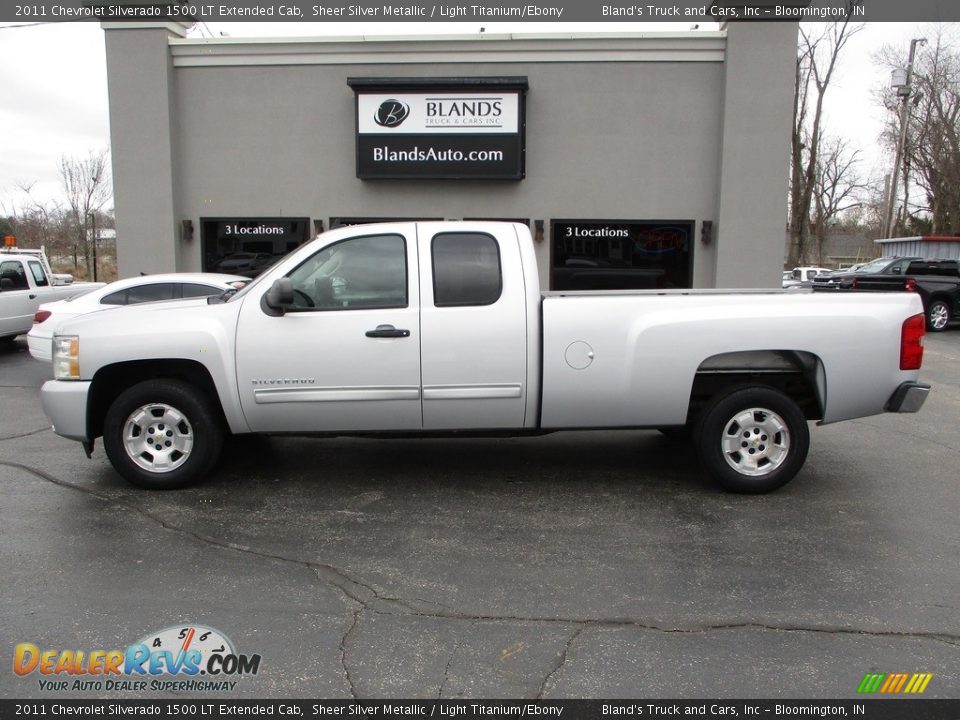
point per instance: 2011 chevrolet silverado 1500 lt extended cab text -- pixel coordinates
(438, 327)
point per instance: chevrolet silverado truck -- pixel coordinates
(937, 282)
(25, 283)
(436, 328)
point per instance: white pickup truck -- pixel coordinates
(440, 327)
(25, 283)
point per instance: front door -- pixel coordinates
(346, 357)
(18, 299)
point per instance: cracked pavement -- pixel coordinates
(573, 565)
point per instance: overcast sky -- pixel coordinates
(54, 86)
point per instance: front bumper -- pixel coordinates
(40, 346)
(65, 404)
(908, 398)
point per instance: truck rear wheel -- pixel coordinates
(162, 434)
(753, 440)
(938, 316)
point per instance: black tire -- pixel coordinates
(752, 452)
(938, 316)
(179, 418)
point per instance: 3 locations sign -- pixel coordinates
(440, 128)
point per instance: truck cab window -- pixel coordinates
(361, 273)
(466, 270)
(12, 276)
(39, 276)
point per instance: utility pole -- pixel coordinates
(904, 88)
(93, 236)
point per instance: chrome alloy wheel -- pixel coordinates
(157, 437)
(755, 442)
(939, 316)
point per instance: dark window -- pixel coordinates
(355, 274)
(466, 269)
(140, 294)
(946, 268)
(149, 293)
(39, 276)
(191, 290)
(621, 254)
(12, 276)
(117, 298)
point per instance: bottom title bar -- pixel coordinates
(892, 709)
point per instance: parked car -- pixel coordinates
(246, 263)
(880, 266)
(937, 282)
(802, 277)
(146, 288)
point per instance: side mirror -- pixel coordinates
(280, 296)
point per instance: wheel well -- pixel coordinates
(110, 381)
(799, 375)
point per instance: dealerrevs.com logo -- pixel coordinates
(391, 113)
(181, 658)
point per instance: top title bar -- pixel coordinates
(472, 11)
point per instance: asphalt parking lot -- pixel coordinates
(574, 565)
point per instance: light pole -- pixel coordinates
(903, 84)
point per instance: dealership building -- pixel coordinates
(653, 160)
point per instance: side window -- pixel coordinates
(149, 293)
(117, 298)
(466, 269)
(39, 276)
(12, 276)
(359, 273)
(192, 290)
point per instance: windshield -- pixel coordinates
(875, 266)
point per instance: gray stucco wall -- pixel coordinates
(638, 128)
(142, 120)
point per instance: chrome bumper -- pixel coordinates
(65, 404)
(908, 398)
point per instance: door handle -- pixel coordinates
(387, 331)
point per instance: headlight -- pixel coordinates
(66, 357)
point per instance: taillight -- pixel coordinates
(40, 315)
(910, 285)
(911, 343)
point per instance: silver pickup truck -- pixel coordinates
(441, 327)
(26, 282)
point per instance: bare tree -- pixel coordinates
(836, 188)
(817, 56)
(87, 186)
(37, 222)
(931, 158)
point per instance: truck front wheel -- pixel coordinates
(162, 434)
(753, 440)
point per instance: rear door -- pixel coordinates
(473, 328)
